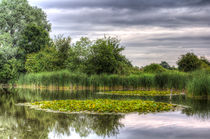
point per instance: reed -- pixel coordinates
(197, 83)
(171, 80)
(199, 87)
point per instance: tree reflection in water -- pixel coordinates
(23, 122)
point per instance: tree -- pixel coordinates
(165, 65)
(77, 55)
(189, 62)
(45, 60)
(105, 57)
(33, 39)
(9, 66)
(62, 45)
(154, 68)
(15, 15)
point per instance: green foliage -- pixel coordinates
(200, 85)
(45, 60)
(165, 65)
(105, 57)
(8, 64)
(5, 39)
(154, 68)
(78, 54)
(188, 62)
(62, 45)
(205, 60)
(172, 80)
(15, 15)
(33, 39)
(105, 106)
(143, 93)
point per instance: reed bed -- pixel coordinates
(80, 81)
(199, 87)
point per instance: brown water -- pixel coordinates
(23, 123)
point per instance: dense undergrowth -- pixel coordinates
(105, 106)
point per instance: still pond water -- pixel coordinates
(19, 122)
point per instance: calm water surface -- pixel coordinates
(18, 122)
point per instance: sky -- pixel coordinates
(150, 30)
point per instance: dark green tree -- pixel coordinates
(188, 62)
(105, 57)
(33, 39)
(154, 68)
(165, 65)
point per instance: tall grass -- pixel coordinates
(166, 80)
(200, 85)
(171, 80)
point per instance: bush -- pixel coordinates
(189, 62)
(154, 68)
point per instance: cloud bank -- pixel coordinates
(150, 30)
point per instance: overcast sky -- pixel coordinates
(151, 30)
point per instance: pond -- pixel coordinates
(19, 122)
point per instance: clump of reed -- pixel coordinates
(171, 80)
(199, 87)
(105, 82)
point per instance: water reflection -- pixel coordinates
(24, 123)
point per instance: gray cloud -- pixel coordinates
(124, 4)
(149, 29)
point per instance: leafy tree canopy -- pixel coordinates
(77, 55)
(189, 62)
(33, 39)
(8, 64)
(62, 45)
(154, 68)
(45, 60)
(165, 65)
(105, 57)
(16, 14)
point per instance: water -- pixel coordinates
(19, 122)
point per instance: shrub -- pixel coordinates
(154, 68)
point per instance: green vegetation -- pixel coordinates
(105, 106)
(166, 80)
(154, 68)
(143, 93)
(200, 86)
(189, 62)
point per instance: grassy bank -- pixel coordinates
(105, 106)
(67, 80)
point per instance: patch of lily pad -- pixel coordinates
(144, 93)
(105, 106)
